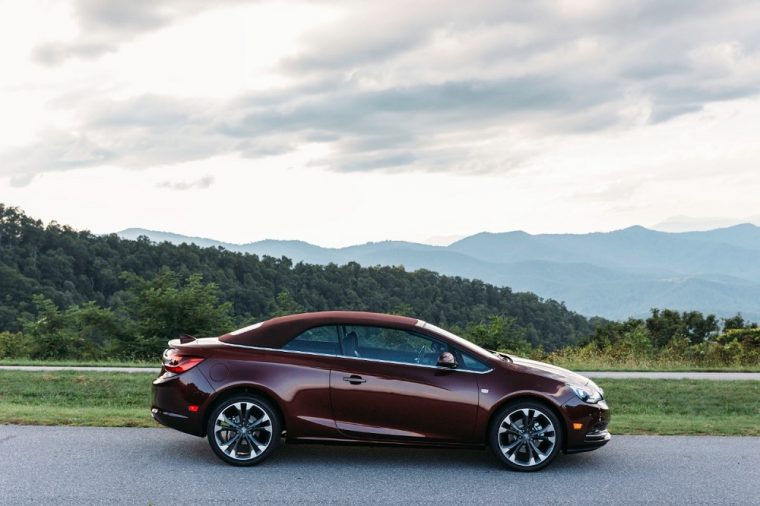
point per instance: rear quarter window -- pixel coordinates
(322, 340)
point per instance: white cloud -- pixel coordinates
(198, 184)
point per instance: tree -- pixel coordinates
(285, 305)
(167, 306)
(666, 325)
(79, 332)
(499, 334)
(73, 268)
(734, 322)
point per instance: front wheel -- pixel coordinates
(525, 436)
(244, 430)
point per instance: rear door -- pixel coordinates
(390, 389)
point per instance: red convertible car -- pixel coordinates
(371, 378)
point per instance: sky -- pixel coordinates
(341, 122)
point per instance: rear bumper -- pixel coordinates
(175, 421)
(591, 421)
(175, 398)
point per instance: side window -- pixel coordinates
(471, 364)
(393, 345)
(316, 340)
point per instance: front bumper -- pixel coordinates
(586, 425)
(174, 398)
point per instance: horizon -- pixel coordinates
(672, 225)
(428, 243)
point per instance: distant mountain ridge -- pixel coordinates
(691, 223)
(612, 274)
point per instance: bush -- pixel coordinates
(160, 309)
(167, 306)
(14, 345)
(63, 344)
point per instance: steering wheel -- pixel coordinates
(437, 348)
(421, 354)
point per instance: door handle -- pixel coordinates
(354, 379)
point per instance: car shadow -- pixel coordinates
(295, 455)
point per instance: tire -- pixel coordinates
(247, 443)
(520, 449)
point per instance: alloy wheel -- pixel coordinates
(527, 437)
(243, 430)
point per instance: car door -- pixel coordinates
(299, 374)
(387, 387)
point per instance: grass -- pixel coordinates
(75, 398)
(656, 406)
(639, 406)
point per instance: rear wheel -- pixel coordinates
(525, 436)
(244, 430)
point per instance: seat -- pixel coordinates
(351, 344)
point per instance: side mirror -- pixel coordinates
(446, 359)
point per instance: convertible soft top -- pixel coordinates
(276, 332)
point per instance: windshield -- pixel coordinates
(464, 343)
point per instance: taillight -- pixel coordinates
(176, 363)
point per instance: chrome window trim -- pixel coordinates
(437, 337)
(246, 329)
(449, 336)
(375, 360)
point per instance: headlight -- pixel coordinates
(587, 393)
(593, 385)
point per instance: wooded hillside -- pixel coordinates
(72, 268)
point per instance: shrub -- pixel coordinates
(14, 345)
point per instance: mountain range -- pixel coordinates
(611, 274)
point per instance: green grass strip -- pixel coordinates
(639, 406)
(659, 406)
(76, 398)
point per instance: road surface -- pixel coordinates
(84, 465)
(590, 374)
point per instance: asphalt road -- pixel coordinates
(83, 465)
(727, 376)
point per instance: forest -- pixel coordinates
(69, 294)
(115, 293)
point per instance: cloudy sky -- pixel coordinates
(348, 121)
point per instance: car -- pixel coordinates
(369, 378)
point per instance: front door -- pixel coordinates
(387, 387)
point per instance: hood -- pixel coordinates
(550, 371)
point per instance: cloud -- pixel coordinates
(54, 150)
(366, 130)
(105, 25)
(612, 191)
(466, 87)
(199, 184)
(21, 180)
